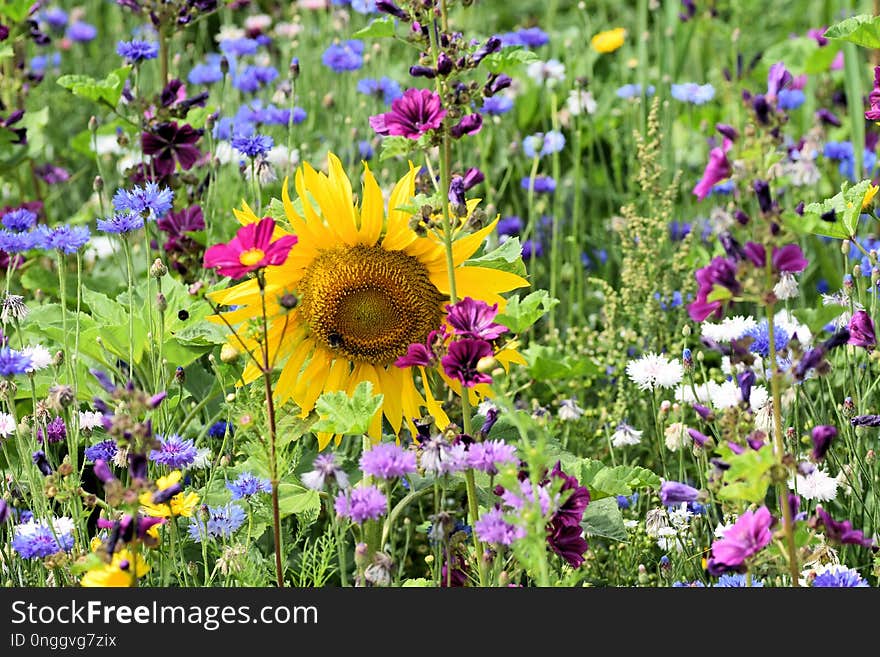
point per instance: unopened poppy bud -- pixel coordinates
(161, 302)
(294, 67)
(158, 268)
(93, 124)
(98, 184)
(224, 65)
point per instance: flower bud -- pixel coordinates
(161, 302)
(158, 268)
(229, 354)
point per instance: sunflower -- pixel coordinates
(367, 286)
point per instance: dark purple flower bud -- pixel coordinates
(162, 496)
(865, 421)
(698, 438)
(674, 492)
(778, 78)
(5, 511)
(736, 448)
(755, 440)
(145, 523)
(423, 72)
(444, 64)
(822, 437)
(756, 254)
(842, 532)
(137, 466)
(103, 472)
(837, 340)
(497, 82)
(762, 191)
(42, 462)
(741, 217)
(727, 130)
(794, 505)
(4, 32)
(456, 191)
(470, 124)
(731, 246)
(103, 379)
(746, 381)
(861, 330)
(799, 208)
(492, 45)
(706, 413)
(473, 177)
(762, 109)
(828, 117)
(491, 419)
(812, 359)
(157, 399)
(388, 7)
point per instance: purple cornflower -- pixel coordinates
(493, 528)
(385, 88)
(102, 451)
(873, 114)
(56, 432)
(542, 184)
(222, 522)
(673, 493)
(120, 224)
(137, 51)
(440, 457)
(462, 361)
(247, 485)
(839, 576)
(842, 531)
(19, 220)
(239, 47)
(13, 362)
(488, 455)
(35, 539)
(254, 145)
(149, 201)
(749, 535)
(861, 330)
(345, 56)
(81, 31)
(413, 114)
(470, 318)
(361, 504)
(387, 461)
(174, 452)
(822, 438)
(325, 470)
(67, 239)
(518, 499)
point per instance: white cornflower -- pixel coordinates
(7, 425)
(626, 435)
(91, 420)
(202, 460)
(486, 406)
(569, 410)
(725, 395)
(677, 436)
(13, 308)
(41, 358)
(729, 329)
(787, 287)
(818, 485)
(841, 298)
(120, 459)
(654, 371)
(581, 101)
(792, 326)
(549, 72)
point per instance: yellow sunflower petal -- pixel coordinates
(340, 222)
(392, 383)
(466, 247)
(372, 210)
(289, 377)
(398, 234)
(311, 383)
(434, 408)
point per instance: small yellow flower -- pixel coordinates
(869, 196)
(179, 505)
(608, 41)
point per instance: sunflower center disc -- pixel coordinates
(369, 304)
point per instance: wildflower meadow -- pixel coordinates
(439, 293)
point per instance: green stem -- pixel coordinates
(126, 247)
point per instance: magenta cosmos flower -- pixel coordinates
(411, 115)
(748, 536)
(716, 170)
(252, 248)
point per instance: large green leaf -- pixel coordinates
(15, 10)
(748, 477)
(341, 414)
(604, 481)
(603, 518)
(837, 216)
(377, 29)
(862, 30)
(108, 90)
(520, 314)
(507, 257)
(509, 59)
(294, 499)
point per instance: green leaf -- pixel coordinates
(862, 30)
(379, 28)
(396, 147)
(817, 318)
(507, 257)
(623, 480)
(15, 10)
(276, 210)
(603, 518)
(521, 314)
(108, 90)
(6, 51)
(547, 363)
(294, 499)
(508, 59)
(720, 293)
(802, 55)
(420, 582)
(748, 477)
(344, 415)
(847, 209)
(104, 309)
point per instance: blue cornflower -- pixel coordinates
(838, 150)
(735, 580)
(151, 201)
(219, 429)
(542, 185)
(761, 338)
(175, 452)
(690, 92)
(674, 300)
(530, 247)
(137, 51)
(40, 63)
(104, 451)
(511, 225)
(364, 6)
(255, 113)
(634, 91)
(540, 144)
(36, 539)
(365, 149)
(497, 105)
(345, 56)
(81, 31)
(696, 584)
(13, 362)
(56, 17)
(19, 220)
(222, 522)
(248, 485)
(68, 239)
(790, 99)
(839, 576)
(253, 78)
(385, 88)
(121, 223)
(847, 167)
(723, 188)
(239, 47)
(527, 37)
(227, 128)
(205, 74)
(254, 145)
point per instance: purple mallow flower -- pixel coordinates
(719, 272)
(822, 437)
(174, 452)
(411, 115)
(361, 504)
(842, 531)
(861, 330)
(387, 461)
(474, 319)
(716, 170)
(749, 535)
(462, 361)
